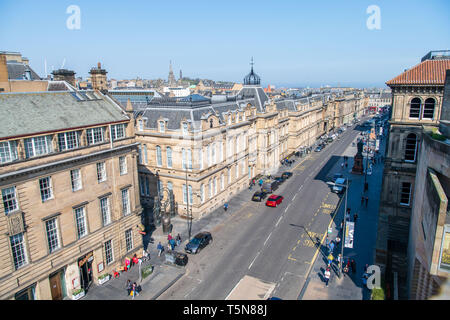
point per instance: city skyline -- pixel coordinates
(293, 44)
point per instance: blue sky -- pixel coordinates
(294, 43)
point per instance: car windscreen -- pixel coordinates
(195, 241)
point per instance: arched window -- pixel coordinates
(411, 148)
(169, 157)
(158, 156)
(428, 110)
(414, 110)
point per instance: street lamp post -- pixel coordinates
(343, 230)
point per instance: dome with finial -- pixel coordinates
(252, 78)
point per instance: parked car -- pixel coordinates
(318, 149)
(286, 175)
(279, 179)
(197, 243)
(269, 187)
(274, 200)
(339, 186)
(259, 196)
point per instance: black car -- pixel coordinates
(279, 179)
(259, 196)
(286, 175)
(197, 243)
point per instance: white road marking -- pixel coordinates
(294, 196)
(287, 207)
(252, 261)
(267, 239)
(278, 221)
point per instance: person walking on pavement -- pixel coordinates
(178, 239)
(169, 237)
(362, 200)
(225, 206)
(160, 249)
(330, 259)
(327, 276)
(367, 201)
(355, 217)
(337, 241)
(331, 247)
(129, 287)
(353, 263)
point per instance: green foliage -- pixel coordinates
(146, 271)
(77, 291)
(438, 136)
(103, 276)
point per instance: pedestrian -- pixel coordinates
(331, 247)
(160, 249)
(346, 267)
(355, 217)
(169, 237)
(225, 206)
(365, 268)
(342, 165)
(339, 259)
(342, 225)
(169, 246)
(128, 286)
(347, 216)
(364, 279)
(172, 244)
(366, 186)
(362, 201)
(178, 239)
(367, 201)
(330, 259)
(327, 276)
(353, 264)
(133, 290)
(338, 240)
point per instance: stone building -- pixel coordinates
(429, 237)
(98, 78)
(416, 101)
(70, 207)
(205, 150)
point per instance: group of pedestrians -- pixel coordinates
(133, 289)
(171, 244)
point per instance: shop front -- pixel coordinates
(85, 267)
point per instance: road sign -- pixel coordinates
(349, 231)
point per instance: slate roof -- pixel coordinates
(428, 72)
(174, 110)
(255, 92)
(32, 113)
(16, 71)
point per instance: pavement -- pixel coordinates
(350, 287)
(165, 274)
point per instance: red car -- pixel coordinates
(274, 200)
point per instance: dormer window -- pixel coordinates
(141, 125)
(185, 128)
(211, 123)
(161, 126)
(229, 119)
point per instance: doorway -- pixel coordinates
(85, 266)
(55, 285)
